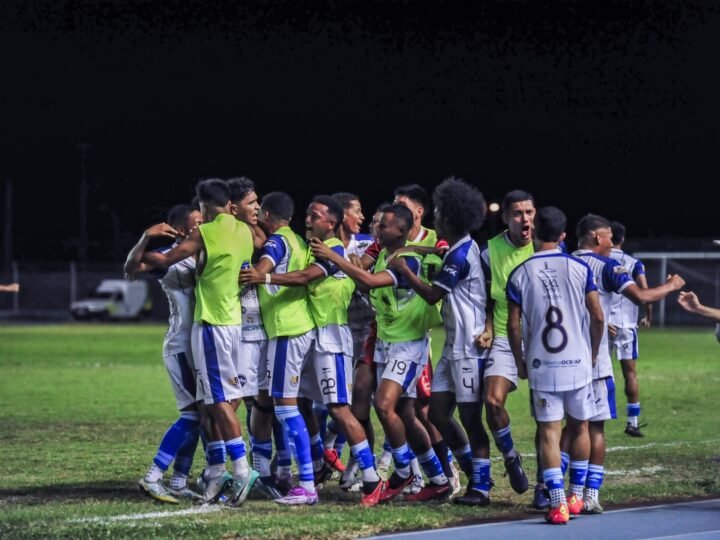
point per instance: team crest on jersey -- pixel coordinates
(451, 269)
(271, 243)
(620, 270)
(294, 380)
(536, 363)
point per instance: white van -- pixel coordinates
(114, 299)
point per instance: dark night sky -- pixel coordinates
(584, 104)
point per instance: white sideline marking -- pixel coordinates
(152, 515)
(693, 535)
(635, 472)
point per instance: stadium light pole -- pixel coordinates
(82, 203)
(115, 220)
(494, 208)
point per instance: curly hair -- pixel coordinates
(461, 205)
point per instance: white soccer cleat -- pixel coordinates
(157, 491)
(185, 493)
(213, 487)
(415, 486)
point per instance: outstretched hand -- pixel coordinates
(689, 301)
(676, 281)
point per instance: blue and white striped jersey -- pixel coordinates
(463, 310)
(623, 311)
(611, 277)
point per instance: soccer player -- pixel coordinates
(360, 316)
(623, 325)
(459, 209)
(551, 296)
(327, 378)
(252, 371)
(503, 253)
(594, 236)
(222, 244)
(403, 320)
(689, 302)
(178, 282)
(291, 331)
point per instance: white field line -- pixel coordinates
(635, 472)
(636, 447)
(205, 509)
(214, 508)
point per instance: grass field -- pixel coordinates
(83, 407)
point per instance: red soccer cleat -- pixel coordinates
(575, 504)
(558, 515)
(332, 458)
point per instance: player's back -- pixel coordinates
(551, 287)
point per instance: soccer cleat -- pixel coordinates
(348, 481)
(241, 488)
(297, 496)
(592, 506)
(331, 457)
(157, 491)
(213, 487)
(185, 493)
(383, 465)
(575, 504)
(558, 515)
(389, 492)
(373, 497)
(633, 431)
(455, 480)
(431, 492)
(541, 498)
(323, 474)
(518, 478)
(417, 484)
(268, 487)
(473, 497)
(284, 484)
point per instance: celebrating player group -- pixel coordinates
(310, 333)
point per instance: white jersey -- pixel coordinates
(624, 312)
(611, 278)
(178, 282)
(360, 310)
(463, 310)
(550, 287)
(252, 324)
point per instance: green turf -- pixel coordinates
(84, 406)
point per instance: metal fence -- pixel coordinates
(48, 288)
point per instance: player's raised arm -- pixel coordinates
(646, 296)
(430, 293)
(690, 302)
(134, 263)
(190, 246)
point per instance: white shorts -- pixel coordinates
(327, 378)
(286, 358)
(625, 344)
(462, 377)
(252, 368)
(181, 370)
(553, 406)
(404, 372)
(411, 351)
(604, 390)
(216, 350)
(501, 362)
